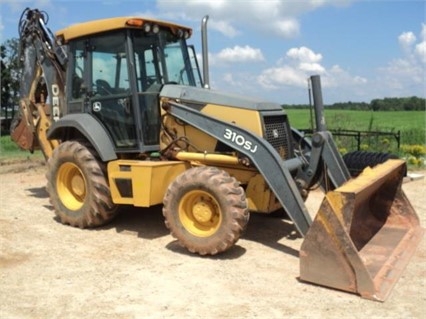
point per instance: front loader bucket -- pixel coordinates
(363, 235)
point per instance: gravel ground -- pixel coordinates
(133, 268)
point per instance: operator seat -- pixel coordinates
(77, 83)
(103, 87)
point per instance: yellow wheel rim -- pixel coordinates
(71, 186)
(200, 213)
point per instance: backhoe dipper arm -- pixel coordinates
(42, 58)
(39, 48)
(275, 171)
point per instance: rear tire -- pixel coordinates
(206, 210)
(357, 161)
(78, 188)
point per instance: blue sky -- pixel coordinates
(268, 48)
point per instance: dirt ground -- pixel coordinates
(133, 268)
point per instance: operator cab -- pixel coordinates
(116, 75)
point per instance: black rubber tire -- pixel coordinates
(206, 210)
(78, 187)
(357, 161)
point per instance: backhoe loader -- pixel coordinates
(123, 116)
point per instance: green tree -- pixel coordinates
(10, 72)
(413, 104)
(5, 80)
(376, 104)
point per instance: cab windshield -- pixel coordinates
(163, 59)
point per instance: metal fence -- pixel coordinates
(376, 139)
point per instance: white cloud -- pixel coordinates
(337, 76)
(292, 70)
(406, 39)
(288, 28)
(299, 64)
(312, 67)
(305, 60)
(404, 74)
(229, 79)
(224, 27)
(423, 32)
(239, 54)
(420, 48)
(420, 51)
(304, 55)
(272, 16)
(275, 78)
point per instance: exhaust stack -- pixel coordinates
(205, 51)
(318, 104)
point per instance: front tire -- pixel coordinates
(77, 185)
(206, 210)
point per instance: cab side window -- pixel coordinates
(77, 70)
(78, 74)
(109, 65)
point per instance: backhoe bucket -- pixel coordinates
(363, 235)
(23, 136)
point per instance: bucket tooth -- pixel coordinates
(363, 235)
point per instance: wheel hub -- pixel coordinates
(203, 211)
(71, 186)
(200, 213)
(77, 185)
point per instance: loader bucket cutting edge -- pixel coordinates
(363, 235)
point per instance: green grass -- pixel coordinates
(10, 151)
(412, 124)
(360, 120)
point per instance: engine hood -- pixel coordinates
(204, 96)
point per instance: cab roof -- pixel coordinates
(96, 26)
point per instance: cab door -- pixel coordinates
(111, 96)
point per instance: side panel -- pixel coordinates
(142, 183)
(89, 127)
(248, 119)
(260, 197)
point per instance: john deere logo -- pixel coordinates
(275, 133)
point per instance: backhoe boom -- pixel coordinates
(42, 83)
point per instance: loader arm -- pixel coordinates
(324, 152)
(43, 64)
(266, 159)
(323, 149)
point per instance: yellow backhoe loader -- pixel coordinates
(123, 116)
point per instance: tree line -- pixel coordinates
(10, 71)
(412, 103)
